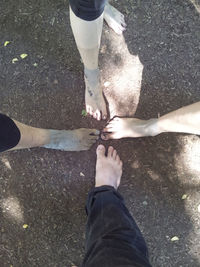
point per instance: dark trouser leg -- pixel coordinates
(87, 9)
(112, 236)
(9, 133)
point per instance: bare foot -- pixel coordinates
(114, 19)
(108, 169)
(94, 100)
(129, 127)
(75, 140)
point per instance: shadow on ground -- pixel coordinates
(153, 69)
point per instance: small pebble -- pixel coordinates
(145, 203)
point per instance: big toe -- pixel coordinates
(100, 151)
(104, 113)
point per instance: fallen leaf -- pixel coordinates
(84, 113)
(184, 196)
(23, 56)
(14, 60)
(25, 226)
(174, 238)
(6, 43)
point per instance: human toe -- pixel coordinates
(100, 151)
(110, 151)
(98, 115)
(118, 159)
(104, 113)
(114, 154)
(89, 110)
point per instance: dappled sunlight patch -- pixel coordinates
(122, 77)
(154, 176)
(191, 207)
(6, 163)
(188, 160)
(196, 4)
(11, 208)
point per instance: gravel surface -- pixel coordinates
(152, 69)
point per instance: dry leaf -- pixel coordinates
(174, 238)
(25, 226)
(23, 56)
(6, 43)
(84, 113)
(14, 60)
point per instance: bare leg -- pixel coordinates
(183, 120)
(31, 136)
(75, 140)
(87, 35)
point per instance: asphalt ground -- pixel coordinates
(152, 69)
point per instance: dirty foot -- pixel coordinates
(129, 127)
(74, 140)
(108, 169)
(94, 100)
(114, 19)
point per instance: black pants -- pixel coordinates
(9, 133)
(88, 9)
(113, 239)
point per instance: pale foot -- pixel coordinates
(114, 19)
(72, 140)
(94, 100)
(108, 169)
(129, 127)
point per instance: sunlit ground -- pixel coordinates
(188, 161)
(196, 4)
(12, 209)
(6, 163)
(188, 165)
(122, 78)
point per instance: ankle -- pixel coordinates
(152, 127)
(91, 72)
(98, 184)
(43, 137)
(92, 78)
